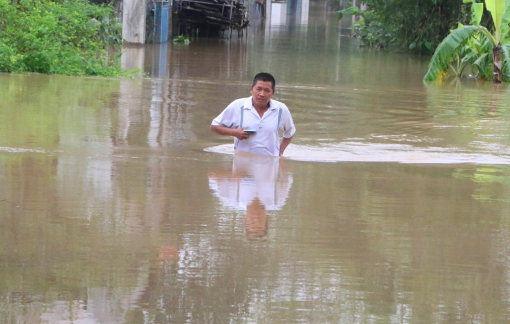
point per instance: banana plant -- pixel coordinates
(482, 45)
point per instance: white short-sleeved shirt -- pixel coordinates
(241, 113)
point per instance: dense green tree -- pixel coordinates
(409, 25)
(58, 37)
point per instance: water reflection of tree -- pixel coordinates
(479, 122)
(35, 104)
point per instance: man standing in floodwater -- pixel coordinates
(256, 122)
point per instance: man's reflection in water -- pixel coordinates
(257, 184)
(256, 221)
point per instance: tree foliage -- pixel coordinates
(69, 37)
(486, 49)
(416, 26)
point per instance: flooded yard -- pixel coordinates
(118, 205)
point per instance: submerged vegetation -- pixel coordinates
(183, 39)
(70, 37)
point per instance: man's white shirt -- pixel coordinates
(241, 113)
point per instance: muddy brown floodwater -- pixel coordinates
(118, 205)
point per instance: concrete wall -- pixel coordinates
(133, 21)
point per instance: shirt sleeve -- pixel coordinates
(227, 118)
(287, 123)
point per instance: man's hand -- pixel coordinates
(236, 132)
(240, 133)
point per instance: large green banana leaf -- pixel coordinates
(506, 59)
(476, 11)
(446, 51)
(500, 12)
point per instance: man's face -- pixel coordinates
(262, 92)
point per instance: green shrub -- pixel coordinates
(181, 39)
(416, 26)
(58, 37)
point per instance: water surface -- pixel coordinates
(118, 205)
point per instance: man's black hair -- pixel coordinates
(264, 77)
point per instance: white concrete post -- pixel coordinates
(133, 21)
(269, 3)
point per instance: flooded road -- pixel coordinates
(118, 205)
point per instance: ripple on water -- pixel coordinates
(20, 150)
(377, 152)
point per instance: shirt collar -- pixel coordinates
(248, 104)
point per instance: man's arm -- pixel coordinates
(285, 142)
(288, 129)
(227, 131)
